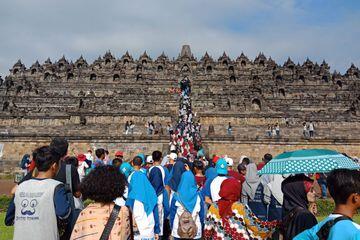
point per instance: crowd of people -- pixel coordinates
(185, 137)
(171, 196)
(182, 195)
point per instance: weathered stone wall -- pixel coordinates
(14, 149)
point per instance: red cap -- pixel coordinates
(81, 157)
(215, 159)
(119, 153)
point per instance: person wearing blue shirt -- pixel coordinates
(158, 177)
(344, 188)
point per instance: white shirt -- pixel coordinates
(81, 169)
(215, 187)
(145, 223)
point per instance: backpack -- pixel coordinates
(74, 211)
(187, 226)
(324, 231)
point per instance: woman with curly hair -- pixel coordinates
(228, 219)
(102, 185)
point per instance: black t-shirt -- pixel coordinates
(61, 176)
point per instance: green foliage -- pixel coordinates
(325, 206)
(87, 202)
(6, 232)
(4, 202)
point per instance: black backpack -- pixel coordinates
(324, 231)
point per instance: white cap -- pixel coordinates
(173, 156)
(229, 161)
(149, 159)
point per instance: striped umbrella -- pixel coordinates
(308, 161)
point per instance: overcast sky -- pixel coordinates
(319, 29)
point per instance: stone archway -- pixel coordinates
(256, 104)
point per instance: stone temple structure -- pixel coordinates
(89, 103)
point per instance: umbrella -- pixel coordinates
(308, 161)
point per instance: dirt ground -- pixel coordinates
(6, 186)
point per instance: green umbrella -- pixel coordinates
(308, 161)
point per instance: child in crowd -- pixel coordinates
(116, 162)
(39, 202)
(142, 199)
(212, 185)
(187, 199)
(100, 156)
(158, 177)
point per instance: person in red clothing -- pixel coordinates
(231, 172)
(198, 172)
(267, 158)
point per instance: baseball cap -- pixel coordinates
(126, 168)
(229, 161)
(119, 153)
(221, 167)
(81, 157)
(149, 159)
(173, 156)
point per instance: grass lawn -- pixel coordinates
(6, 233)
